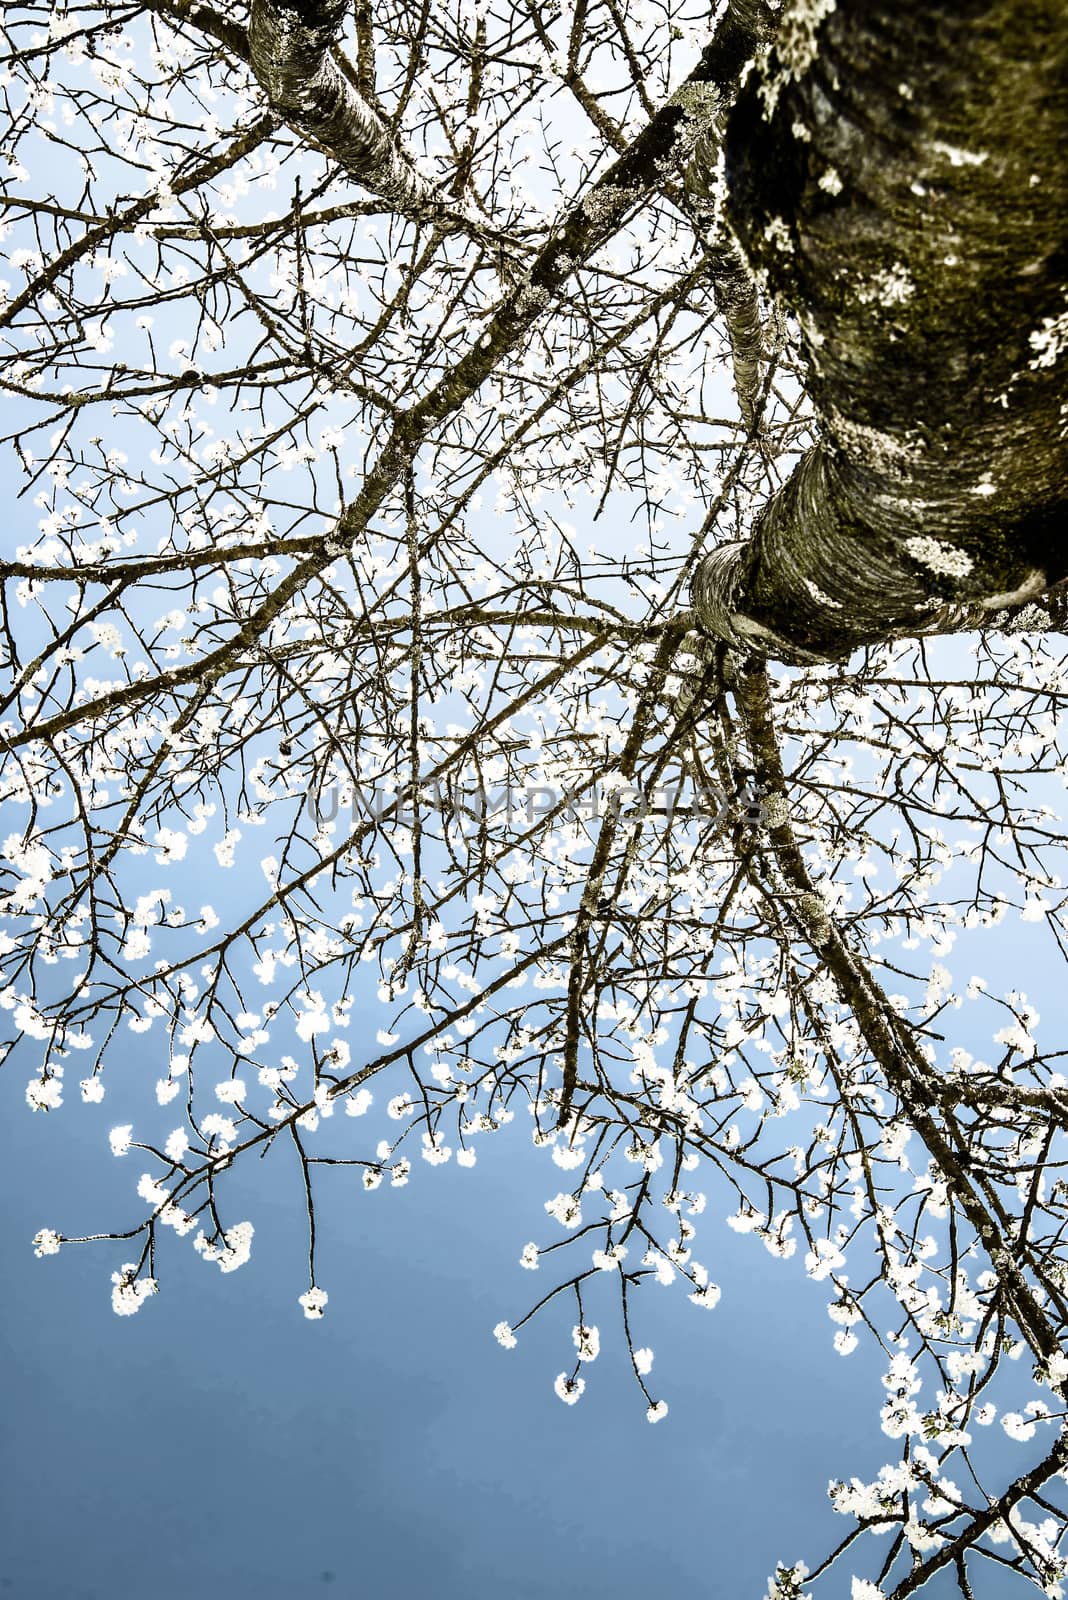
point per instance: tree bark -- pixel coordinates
(899, 176)
(290, 50)
(747, 24)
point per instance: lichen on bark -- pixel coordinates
(921, 275)
(290, 43)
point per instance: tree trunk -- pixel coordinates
(899, 175)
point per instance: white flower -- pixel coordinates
(92, 1090)
(844, 1311)
(310, 1023)
(46, 1243)
(466, 1158)
(224, 850)
(1016, 1427)
(151, 1192)
(566, 1209)
(314, 1302)
(230, 1091)
(504, 1336)
(643, 1360)
(662, 1268)
(176, 1146)
(568, 1389)
(863, 1590)
(568, 1156)
(44, 1094)
(787, 1581)
(608, 1260)
(708, 1296)
(825, 1259)
(587, 1342)
(372, 1177)
(171, 845)
(1056, 1369)
(434, 1150)
(120, 1139)
(529, 1258)
(166, 1089)
(845, 1341)
(213, 1126)
(655, 1412)
(128, 1290)
(234, 1250)
(137, 945)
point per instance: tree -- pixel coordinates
(602, 865)
(899, 177)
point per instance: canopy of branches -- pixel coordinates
(479, 517)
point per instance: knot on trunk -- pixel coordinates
(713, 596)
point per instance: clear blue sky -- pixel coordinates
(219, 1442)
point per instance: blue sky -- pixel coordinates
(220, 1440)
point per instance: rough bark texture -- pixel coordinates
(900, 175)
(290, 51)
(748, 24)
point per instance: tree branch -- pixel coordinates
(290, 44)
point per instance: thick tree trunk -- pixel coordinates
(899, 174)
